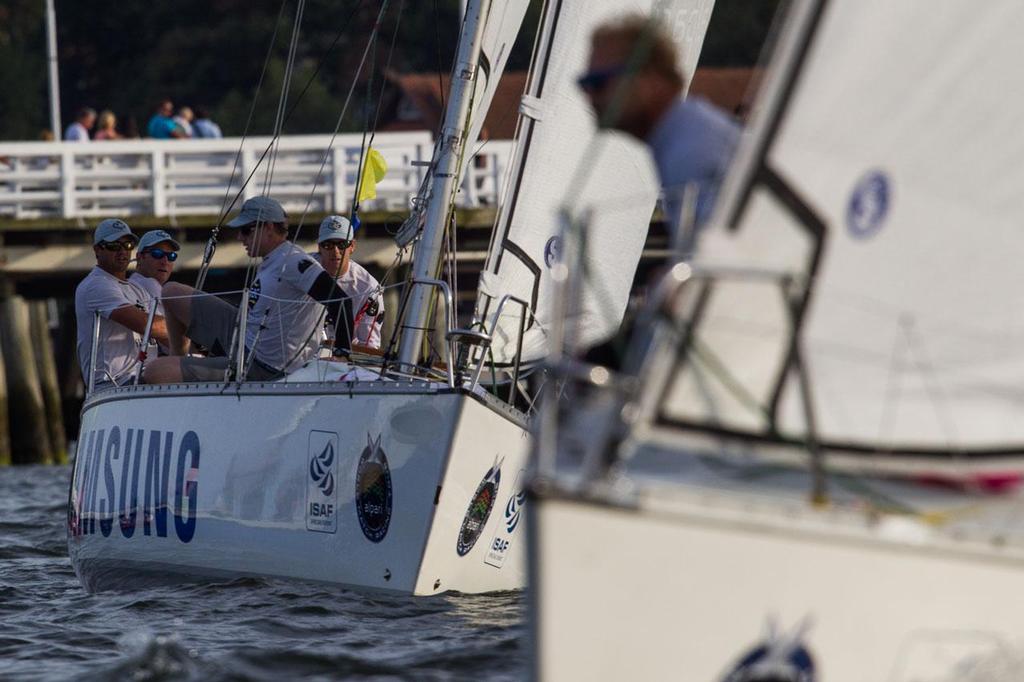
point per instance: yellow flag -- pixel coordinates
(374, 169)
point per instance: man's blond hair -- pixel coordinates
(651, 46)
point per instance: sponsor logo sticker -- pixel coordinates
(373, 491)
(321, 483)
(502, 540)
(869, 204)
(479, 510)
(553, 251)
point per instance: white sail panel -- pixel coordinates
(500, 31)
(556, 137)
(900, 134)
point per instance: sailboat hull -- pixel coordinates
(396, 487)
(696, 581)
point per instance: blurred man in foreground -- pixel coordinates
(635, 83)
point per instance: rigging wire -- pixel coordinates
(227, 208)
(211, 243)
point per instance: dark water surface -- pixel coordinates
(50, 628)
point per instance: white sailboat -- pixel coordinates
(387, 475)
(813, 470)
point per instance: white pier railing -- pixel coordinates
(168, 178)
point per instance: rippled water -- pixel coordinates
(50, 628)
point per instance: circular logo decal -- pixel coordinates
(479, 510)
(869, 205)
(553, 251)
(373, 491)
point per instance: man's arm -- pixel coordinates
(133, 318)
(339, 309)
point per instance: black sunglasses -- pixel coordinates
(158, 253)
(593, 81)
(117, 246)
(339, 244)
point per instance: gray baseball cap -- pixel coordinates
(336, 227)
(264, 209)
(112, 229)
(154, 237)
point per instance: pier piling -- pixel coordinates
(30, 439)
(42, 348)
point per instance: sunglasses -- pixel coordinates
(594, 81)
(339, 244)
(171, 256)
(117, 246)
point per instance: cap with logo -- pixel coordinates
(112, 229)
(263, 209)
(154, 237)
(336, 227)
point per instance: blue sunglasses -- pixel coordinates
(171, 256)
(593, 81)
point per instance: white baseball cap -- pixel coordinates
(263, 209)
(336, 227)
(112, 229)
(154, 237)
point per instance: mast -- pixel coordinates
(51, 59)
(449, 151)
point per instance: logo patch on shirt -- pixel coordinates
(373, 307)
(254, 292)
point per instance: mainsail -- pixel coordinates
(879, 199)
(556, 134)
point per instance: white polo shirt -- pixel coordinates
(282, 316)
(151, 287)
(118, 346)
(367, 304)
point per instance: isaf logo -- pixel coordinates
(373, 491)
(322, 488)
(320, 470)
(498, 550)
(480, 506)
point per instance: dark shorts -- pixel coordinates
(212, 326)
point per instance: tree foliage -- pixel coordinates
(126, 56)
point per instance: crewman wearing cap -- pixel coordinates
(281, 331)
(122, 307)
(336, 243)
(154, 263)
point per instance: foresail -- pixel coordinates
(556, 137)
(500, 30)
(883, 177)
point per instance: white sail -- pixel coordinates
(556, 135)
(884, 175)
(501, 27)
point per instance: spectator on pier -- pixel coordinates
(79, 130)
(107, 126)
(635, 83)
(283, 308)
(154, 264)
(203, 126)
(161, 126)
(184, 121)
(120, 304)
(335, 245)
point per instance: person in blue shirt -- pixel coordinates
(162, 126)
(635, 84)
(203, 126)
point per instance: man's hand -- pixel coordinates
(131, 317)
